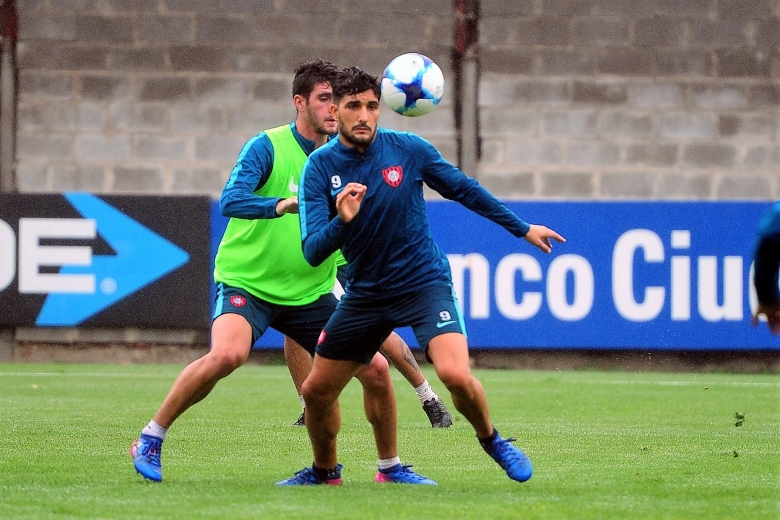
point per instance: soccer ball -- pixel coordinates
(412, 85)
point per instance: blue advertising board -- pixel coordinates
(631, 275)
(84, 260)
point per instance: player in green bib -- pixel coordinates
(263, 255)
(264, 281)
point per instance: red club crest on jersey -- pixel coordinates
(237, 300)
(393, 175)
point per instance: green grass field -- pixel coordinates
(603, 444)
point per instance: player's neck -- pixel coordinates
(309, 133)
(359, 148)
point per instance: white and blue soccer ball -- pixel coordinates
(412, 85)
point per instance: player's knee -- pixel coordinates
(379, 368)
(316, 395)
(454, 378)
(375, 374)
(309, 393)
(226, 361)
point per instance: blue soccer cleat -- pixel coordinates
(146, 451)
(509, 457)
(307, 477)
(400, 474)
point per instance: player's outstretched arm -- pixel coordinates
(541, 236)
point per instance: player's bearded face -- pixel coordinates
(318, 110)
(357, 117)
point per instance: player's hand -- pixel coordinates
(349, 199)
(772, 313)
(287, 206)
(540, 237)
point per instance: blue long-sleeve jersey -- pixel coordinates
(250, 173)
(767, 257)
(388, 245)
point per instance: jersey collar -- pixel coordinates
(306, 145)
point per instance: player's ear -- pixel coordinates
(299, 101)
(334, 110)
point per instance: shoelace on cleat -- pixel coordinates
(151, 452)
(506, 455)
(406, 470)
(307, 476)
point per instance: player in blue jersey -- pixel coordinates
(264, 281)
(363, 194)
(766, 266)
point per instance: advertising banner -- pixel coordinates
(78, 259)
(638, 275)
(631, 275)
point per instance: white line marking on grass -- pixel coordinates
(676, 383)
(285, 376)
(112, 374)
(79, 374)
(642, 382)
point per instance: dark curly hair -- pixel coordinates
(354, 80)
(311, 73)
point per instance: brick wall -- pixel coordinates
(631, 99)
(578, 98)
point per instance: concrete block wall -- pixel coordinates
(630, 99)
(159, 96)
(578, 99)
